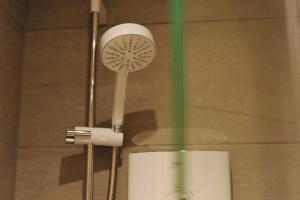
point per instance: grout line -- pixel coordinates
(167, 23)
(169, 145)
(221, 20)
(12, 17)
(8, 144)
(51, 147)
(58, 29)
(20, 87)
(240, 19)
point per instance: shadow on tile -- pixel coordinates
(73, 167)
(135, 123)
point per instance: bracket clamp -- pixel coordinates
(96, 136)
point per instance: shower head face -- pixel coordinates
(127, 48)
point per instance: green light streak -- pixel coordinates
(177, 13)
(178, 72)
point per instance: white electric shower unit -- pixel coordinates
(152, 176)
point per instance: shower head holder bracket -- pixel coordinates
(96, 136)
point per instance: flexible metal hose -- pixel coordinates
(113, 176)
(113, 173)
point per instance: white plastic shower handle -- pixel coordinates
(119, 99)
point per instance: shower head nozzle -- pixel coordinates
(127, 48)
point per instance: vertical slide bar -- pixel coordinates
(91, 106)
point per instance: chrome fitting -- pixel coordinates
(78, 136)
(70, 136)
(117, 128)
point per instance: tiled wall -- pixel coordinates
(239, 95)
(12, 16)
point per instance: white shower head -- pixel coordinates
(127, 47)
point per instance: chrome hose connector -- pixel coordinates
(78, 136)
(117, 129)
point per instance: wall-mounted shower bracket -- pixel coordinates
(99, 7)
(96, 136)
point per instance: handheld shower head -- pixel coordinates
(127, 48)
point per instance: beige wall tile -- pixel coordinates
(240, 67)
(54, 85)
(63, 175)
(7, 171)
(17, 8)
(238, 86)
(58, 14)
(208, 126)
(11, 37)
(260, 172)
(38, 174)
(158, 11)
